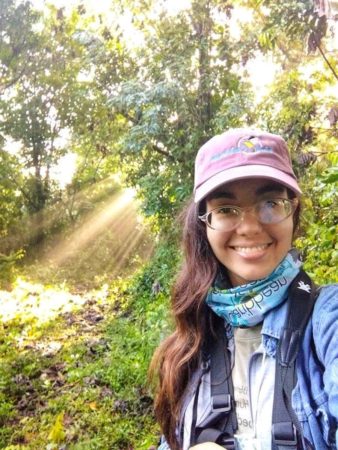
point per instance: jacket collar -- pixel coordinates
(272, 328)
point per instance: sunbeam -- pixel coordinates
(109, 241)
(132, 243)
(116, 210)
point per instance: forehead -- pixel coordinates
(256, 187)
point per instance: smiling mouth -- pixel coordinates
(251, 249)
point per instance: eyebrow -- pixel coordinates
(270, 187)
(221, 194)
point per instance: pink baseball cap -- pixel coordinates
(242, 153)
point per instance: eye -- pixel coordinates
(227, 211)
(274, 210)
(272, 203)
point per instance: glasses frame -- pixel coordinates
(294, 202)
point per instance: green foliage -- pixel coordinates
(319, 242)
(57, 434)
(92, 390)
(160, 270)
(11, 200)
(281, 29)
(290, 108)
(16, 40)
(184, 91)
(41, 59)
(298, 111)
(7, 267)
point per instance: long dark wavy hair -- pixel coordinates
(179, 355)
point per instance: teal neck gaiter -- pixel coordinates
(246, 305)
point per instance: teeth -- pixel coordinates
(251, 249)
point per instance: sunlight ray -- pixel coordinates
(37, 223)
(125, 251)
(89, 230)
(120, 228)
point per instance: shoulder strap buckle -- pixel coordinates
(227, 442)
(284, 433)
(221, 403)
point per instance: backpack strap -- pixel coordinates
(221, 423)
(286, 429)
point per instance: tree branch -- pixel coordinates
(164, 153)
(21, 189)
(313, 37)
(11, 83)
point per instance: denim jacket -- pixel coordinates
(315, 396)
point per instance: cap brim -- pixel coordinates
(249, 171)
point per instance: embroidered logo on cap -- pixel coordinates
(245, 145)
(252, 144)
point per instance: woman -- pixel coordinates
(236, 285)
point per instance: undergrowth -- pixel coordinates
(79, 379)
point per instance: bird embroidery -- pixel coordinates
(304, 287)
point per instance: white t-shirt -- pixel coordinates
(247, 341)
(254, 398)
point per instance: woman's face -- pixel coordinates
(252, 250)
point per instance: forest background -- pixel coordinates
(101, 116)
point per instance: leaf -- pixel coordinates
(57, 433)
(330, 176)
(93, 406)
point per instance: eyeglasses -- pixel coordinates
(270, 211)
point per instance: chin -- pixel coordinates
(238, 279)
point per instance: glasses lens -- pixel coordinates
(227, 218)
(274, 211)
(224, 218)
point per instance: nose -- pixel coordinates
(249, 224)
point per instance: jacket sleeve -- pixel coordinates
(325, 334)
